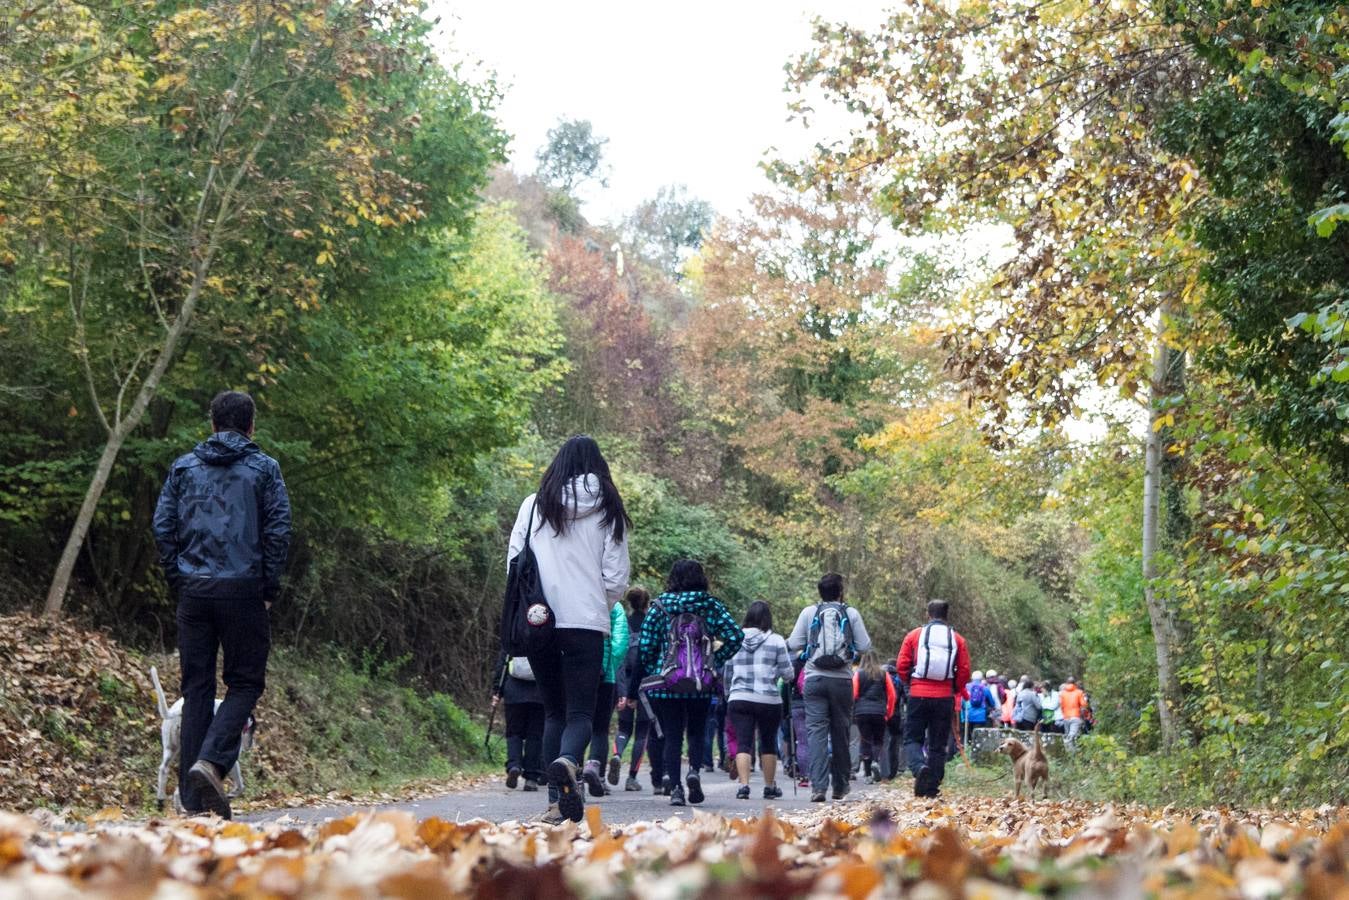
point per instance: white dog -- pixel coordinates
(171, 736)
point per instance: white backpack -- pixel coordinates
(936, 653)
(519, 668)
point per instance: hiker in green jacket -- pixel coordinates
(615, 649)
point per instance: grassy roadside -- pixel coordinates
(1103, 770)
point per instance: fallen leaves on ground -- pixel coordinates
(74, 709)
(973, 847)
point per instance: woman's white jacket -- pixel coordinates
(584, 570)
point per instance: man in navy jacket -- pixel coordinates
(222, 526)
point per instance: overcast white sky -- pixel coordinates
(688, 92)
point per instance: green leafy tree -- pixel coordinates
(572, 155)
(205, 163)
(668, 226)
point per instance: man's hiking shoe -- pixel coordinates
(817, 797)
(562, 778)
(840, 795)
(615, 766)
(552, 815)
(923, 785)
(204, 778)
(632, 784)
(772, 792)
(743, 792)
(594, 778)
(530, 785)
(667, 787)
(512, 777)
(677, 795)
(695, 788)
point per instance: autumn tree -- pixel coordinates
(1038, 117)
(797, 345)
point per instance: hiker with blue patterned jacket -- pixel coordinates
(687, 637)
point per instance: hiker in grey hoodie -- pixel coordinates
(753, 700)
(578, 530)
(831, 636)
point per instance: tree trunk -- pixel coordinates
(1163, 629)
(56, 594)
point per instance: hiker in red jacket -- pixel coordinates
(934, 665)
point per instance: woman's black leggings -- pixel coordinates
(749, 718)
(680, 717)
(871, 730)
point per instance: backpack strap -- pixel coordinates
(529, 526)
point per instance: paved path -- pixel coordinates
(495, 803)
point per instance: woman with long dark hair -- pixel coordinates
(687, 637)
(874, 699)
(753, 700)
(579, 538)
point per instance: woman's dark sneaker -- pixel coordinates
(632, 784)
(512, 777)
(594, 778)
(772, 792)
(615, 766)
(530, 785)
(695, 787)
(743, 792)
(677, 795)
(667, 787)
(562, 778)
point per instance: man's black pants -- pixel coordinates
(928, 720)
(239, 627)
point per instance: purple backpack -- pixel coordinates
(686, 666)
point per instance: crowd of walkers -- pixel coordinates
(689, 683)
(687, 680)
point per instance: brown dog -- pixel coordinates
(1029, 767)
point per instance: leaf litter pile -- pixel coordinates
(80, 728)
(976, 847)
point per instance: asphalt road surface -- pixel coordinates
(493, 802)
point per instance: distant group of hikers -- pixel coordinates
(678, 669)
(683, 676)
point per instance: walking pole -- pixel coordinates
(792, 762)
(491, 719)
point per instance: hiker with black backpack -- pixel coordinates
(934, 665)
(568, 567)
(686, 639)
(830, 635)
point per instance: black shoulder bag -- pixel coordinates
(527, 621)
